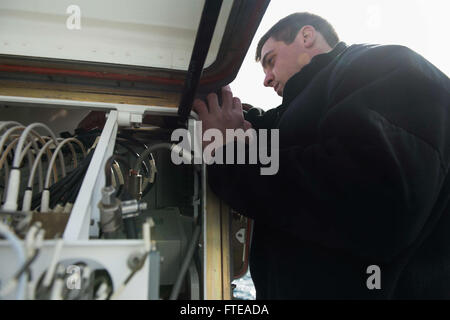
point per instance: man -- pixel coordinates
(359, 208)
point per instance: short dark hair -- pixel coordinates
(287, 29)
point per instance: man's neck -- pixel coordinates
(321, 49)
(299, 80)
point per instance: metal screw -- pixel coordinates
(133, 260)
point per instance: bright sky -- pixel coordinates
(422, 25)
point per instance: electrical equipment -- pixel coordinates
(129, 203)
(99, 211)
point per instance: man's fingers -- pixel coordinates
(227, 88)
(247, 125)
(227, 98)
(200, 107)
(237, 104)
(213, 103)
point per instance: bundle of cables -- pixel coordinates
(57, 189)
(120, 167)
(62, 194)
(24, 141)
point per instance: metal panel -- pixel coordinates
(136, 32)
(111, 255)
(85, 208)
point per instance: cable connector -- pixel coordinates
(135, 184)
(45, 201)
(132, 208)
(13, 190)
(110, 212)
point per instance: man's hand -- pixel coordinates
(229, 116)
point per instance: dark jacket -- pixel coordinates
(363, 180)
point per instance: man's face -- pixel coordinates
(281, 61)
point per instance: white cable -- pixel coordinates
(49, 155)
(3, 195)
(26, 204)
(45, 199)
(5, 124)
(23, 137)
(52, 267)
(57, 150)
(3, 139)
(7, 151)
(15, 141)
(11, 206)
(30, 238)
(7, 133)
(26, 151)
(68, 207)
(58, 208)
(41, 179)
(74, 154)
(12, 192)
(4, 155)
(20, 252)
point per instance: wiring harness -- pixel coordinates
(41, 150)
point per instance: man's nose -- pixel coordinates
(268, 80)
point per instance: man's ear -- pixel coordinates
(308, 36)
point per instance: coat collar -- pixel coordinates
(300, 80)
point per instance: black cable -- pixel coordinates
(63, 192)
(134, 153)
(60, 195)
(65, 185)
(130, 228)
(128, 137)
(66, 189)
(85, 136)
(125, 174)
(147, 170)
(108, 170)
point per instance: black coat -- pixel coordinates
(363, 180)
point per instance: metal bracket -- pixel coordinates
(127, 119)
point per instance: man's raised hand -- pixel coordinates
(227, 116)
